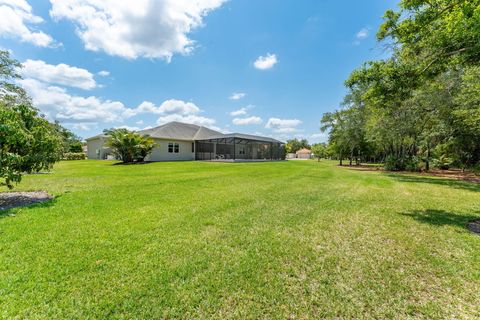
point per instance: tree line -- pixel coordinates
(421, 106)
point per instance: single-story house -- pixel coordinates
(183, 141)
(304, 153)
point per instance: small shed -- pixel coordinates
(304, 153)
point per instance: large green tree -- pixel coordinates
(28, 142)
(422, 104)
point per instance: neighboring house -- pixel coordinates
(96, 148)
(304, 154)
(183, 141)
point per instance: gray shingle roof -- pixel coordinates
(186, 131)
(180, 131)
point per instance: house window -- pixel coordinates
(173, 147)
(193, 147)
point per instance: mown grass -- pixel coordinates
(246, 240)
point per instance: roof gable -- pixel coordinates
(179, 131)
(304, 150)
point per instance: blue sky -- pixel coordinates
(264, 67)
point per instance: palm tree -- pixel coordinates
(128, 145)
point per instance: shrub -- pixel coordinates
(413, 164)
(443, 162)
(476, 169)
(393, 163)
(74, 156)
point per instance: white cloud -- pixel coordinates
(321, 137)
(84, 126)
(266, 62)
(144, 28)
(16, 18)
(247, 121)
(286, 130)
(103, 73)
(129, 128)
(239, 112)
(237, 96)
(173, 110)
(363, 33)
(283, 125)
(58, 104)
(62, 74)
(84, 112)
(195, 119)
(171, 106)
(242, 111)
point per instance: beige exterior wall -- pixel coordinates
(304, 155)
(160, 152)
(96, 148)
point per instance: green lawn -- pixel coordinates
(296, 239)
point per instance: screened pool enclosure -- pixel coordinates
(239, 147)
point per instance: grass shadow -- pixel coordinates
(458, 184)
(441, 218)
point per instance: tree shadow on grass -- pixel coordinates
(457, 184)
(442, 218)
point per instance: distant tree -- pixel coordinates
(128, 145)
(75, 147)
(70, 141)
(319, 150)
(28, 142)
(293, 145)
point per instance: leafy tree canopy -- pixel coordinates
(28, 142)
(293, 145)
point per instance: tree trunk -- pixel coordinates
(427, 162)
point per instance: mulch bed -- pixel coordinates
(474, 226)
(9, 200)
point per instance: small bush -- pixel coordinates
(443, 162)
(74, 156)
(413, 164)
(476, 169)
(393, 163)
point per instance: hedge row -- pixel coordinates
(74, 156)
